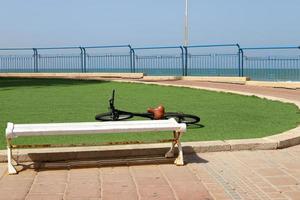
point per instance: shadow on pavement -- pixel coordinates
(69, 160)
(194, 158)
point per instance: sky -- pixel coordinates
(48, 23)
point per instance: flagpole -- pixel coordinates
(186, 24)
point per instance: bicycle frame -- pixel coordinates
(115, 112)
(117, 115)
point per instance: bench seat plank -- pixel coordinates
(15, 130)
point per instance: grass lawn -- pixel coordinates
(224, 116)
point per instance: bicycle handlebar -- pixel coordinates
(112, 100)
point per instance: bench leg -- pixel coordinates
(179, 160)
(11, 168)
(170, 153)
(10, 161)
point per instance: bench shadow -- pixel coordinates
(195, 126)
(112, 158)
(191, 156)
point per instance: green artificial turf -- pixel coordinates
(223, 116)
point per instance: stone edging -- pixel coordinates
(143, 77)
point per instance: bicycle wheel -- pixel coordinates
(183, 118)
(110, 117)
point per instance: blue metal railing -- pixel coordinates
(48, 62)
(159, 64)
(95, 62)
(16, 63)
(212, 64)
(160, 60)
(279, 68)
(270, 67)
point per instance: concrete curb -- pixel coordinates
(74, 75)
(286, 139)
(161, 78)
(217, 79)
(143, 77)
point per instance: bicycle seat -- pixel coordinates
(158, 113)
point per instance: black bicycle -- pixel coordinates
(157, 113)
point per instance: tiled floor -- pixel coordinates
(268, 91)
(222, 175)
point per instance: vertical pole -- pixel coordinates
(81, 59)
(84, 59)
(131, 59)
(186, 60)
(35, 60)
(239, 59)
(239, 63)
(242, 62)
(186, 24)
(182, 61)
(34, 63)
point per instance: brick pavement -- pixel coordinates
(220, 175)
(275, 92)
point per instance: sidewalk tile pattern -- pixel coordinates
(219, 175)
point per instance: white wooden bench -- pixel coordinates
(20, 130)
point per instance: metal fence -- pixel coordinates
(107, 62)
(212, 63)
(156, 61)
(284, 67)
(198, 60)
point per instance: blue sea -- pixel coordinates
(264, 74)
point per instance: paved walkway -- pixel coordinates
(275, 92)
(223, 175)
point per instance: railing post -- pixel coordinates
(82, 59)
(241, 62)
(131, 58)
(35, 59)
(186, 60)
(34, 64)
(182, 61)
(239, 59)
